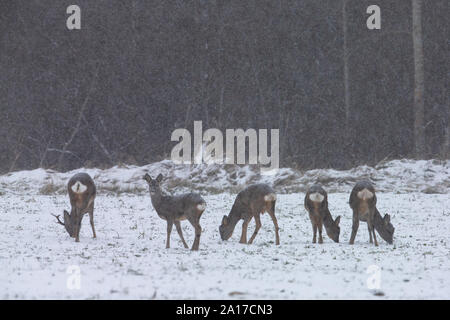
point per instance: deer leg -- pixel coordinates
(374, 237)
(180, 233)
(257, 227)
(198, 232)
(169, 230)
(370, 234)
(275, 223)
(76, 231)
(319, 225)
(244, 231)
(372, 231)
(314, 226)
(372, 228)
(77, 228)
(77, 224)
(91, 219)
(355, 227)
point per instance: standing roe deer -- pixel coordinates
(82, 194)
(174, 209)
(250, 202)
(363, 203)
(316, 203)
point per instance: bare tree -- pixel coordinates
(340, 95)
(419, 88)
(346, 75)
(79, 120)
(446, 144)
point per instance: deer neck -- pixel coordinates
(156, 198)
(234, 217)
(381, 227)
(327, 219)
(74, 212)
(378, 220)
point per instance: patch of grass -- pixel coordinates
(435, 190)
(117, 189)
(50, 189)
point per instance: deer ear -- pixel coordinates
(224, 220)
(387, 218)
(147, 177)
(338, 219)
(159, 178)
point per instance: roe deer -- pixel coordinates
(363, 203)
(82, 194)
(316, 203)
(250, 202)
(174, 209)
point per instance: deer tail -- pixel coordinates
(201, 206)
(270, 197)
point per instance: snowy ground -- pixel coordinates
(128, 260)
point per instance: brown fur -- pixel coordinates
(250, 203)
(81, 204)
(177, 208)
(320, 215)
(365, 210)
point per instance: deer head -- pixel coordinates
(69, 222)
(386, 229)
(333, 230)
(226, 228)
(153, 184)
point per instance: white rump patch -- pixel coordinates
(201, 206)
(78, 187)
(316, 197)
(270, 197)
(365, 194)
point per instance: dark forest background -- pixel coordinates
(114, 91)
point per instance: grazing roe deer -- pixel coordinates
(82, 192)
(316, 203)
(363, 203)
(174, 209)
(250, 202)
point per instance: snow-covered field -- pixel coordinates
(128, 260)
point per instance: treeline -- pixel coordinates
(114, 91)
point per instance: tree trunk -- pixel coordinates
(446, 145)
(346, 82)
(348, 151)
(419, 114)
